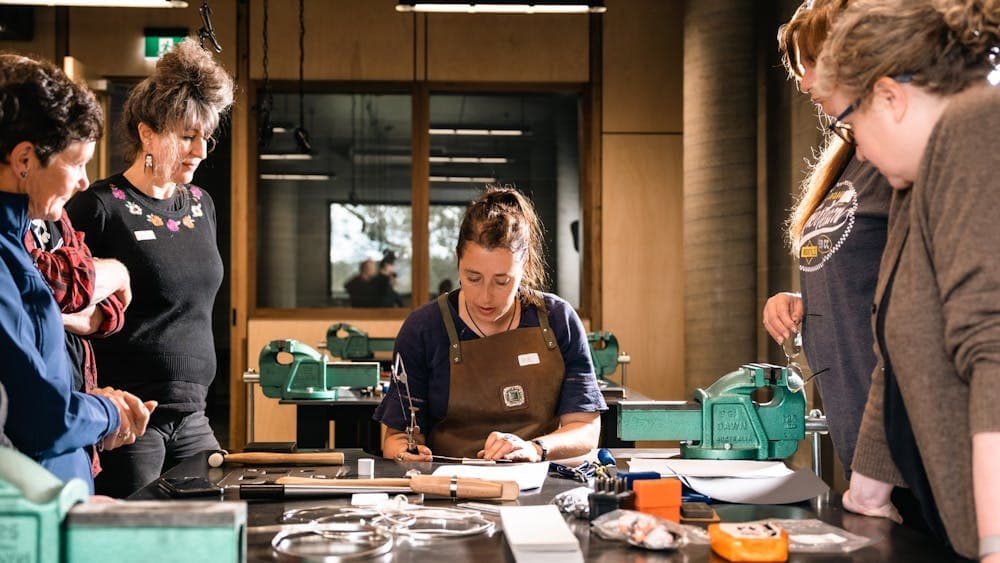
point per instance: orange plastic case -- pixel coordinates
(749, 541)
(659, 497)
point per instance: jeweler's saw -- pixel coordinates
(724, 421)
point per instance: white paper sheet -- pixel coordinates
(739, 481)
(795, 487)
(711, 467)
(528, 475)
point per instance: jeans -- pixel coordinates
(170, 438)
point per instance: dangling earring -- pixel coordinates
(147, 165)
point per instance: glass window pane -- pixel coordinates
(320, 212)
(527, 140)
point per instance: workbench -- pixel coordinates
(897, 543)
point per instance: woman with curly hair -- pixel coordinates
(163, 228)
(908, 80)
(48, 128)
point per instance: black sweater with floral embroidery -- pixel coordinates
(166, 351)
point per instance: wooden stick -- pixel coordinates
(465, 487)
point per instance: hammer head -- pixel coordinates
(216, 459)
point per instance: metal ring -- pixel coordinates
(326, 547)
(508, 436)
(438, 524)
(453, 486)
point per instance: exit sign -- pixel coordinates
(160, 40)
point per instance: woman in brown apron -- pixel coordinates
(495, 369)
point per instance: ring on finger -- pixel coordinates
(508, 437)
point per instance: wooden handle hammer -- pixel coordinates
(217, 459)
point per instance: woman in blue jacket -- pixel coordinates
(48, 128)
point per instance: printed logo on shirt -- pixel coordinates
(828, 227)
(145, 235)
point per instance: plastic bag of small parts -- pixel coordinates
(574, 502)
(641, 530)
(815, 536)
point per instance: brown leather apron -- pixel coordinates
(508, 382)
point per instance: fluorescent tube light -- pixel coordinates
(294, 177)
(286, 156)
(499, 7)
(101, 3)
(477, 132)
(464, 179)
(470, 159)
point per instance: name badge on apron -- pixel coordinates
(528, 359)
(513, 396)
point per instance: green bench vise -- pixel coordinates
(43, 520)
(291, 370)
(724, 421)
(350, 343)
(606, 356)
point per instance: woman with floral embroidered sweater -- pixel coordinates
(163, 229)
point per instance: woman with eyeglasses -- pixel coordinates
(837, 231)
(163, 228)
(909, 78)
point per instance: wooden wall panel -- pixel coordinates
(43, 44)
(507, 48)
(345, 40)
(643, 276)
(274, 422)
(643, 53)
(110, 40)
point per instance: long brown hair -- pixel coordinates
(800, 40)
(504, 218)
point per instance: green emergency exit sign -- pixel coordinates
(160, 40)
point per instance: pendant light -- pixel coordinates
(301, 135)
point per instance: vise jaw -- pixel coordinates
(724, 421)
(291, 370)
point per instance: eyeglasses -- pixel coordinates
(209, 141)
(844, 130)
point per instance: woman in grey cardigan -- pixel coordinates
(910, 80)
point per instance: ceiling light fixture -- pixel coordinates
(464, 179)
(503, 7)
(304, 177)
(469, 159)
(286, 156)
(477, 132)
(101, 3)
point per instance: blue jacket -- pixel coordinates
(46, 419)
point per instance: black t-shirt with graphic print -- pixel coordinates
(838, 255)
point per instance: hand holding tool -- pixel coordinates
(217, 459)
